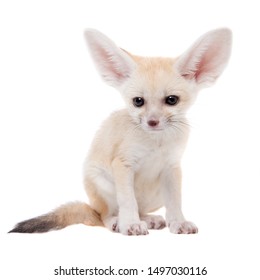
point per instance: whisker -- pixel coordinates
(179, 123)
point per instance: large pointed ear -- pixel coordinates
(207, 58)
(114, 65)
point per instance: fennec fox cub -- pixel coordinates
(134, 165)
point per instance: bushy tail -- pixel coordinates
(63, 216)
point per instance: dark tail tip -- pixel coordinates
(35, 225)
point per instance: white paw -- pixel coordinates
(139, 228)
(154, 221)
(183, 227)
(112, 223)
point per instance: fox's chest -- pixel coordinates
(153, 161)
(149, 180)
(152, 158)
(152, 168)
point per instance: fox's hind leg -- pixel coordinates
(154, 221)
(111, 223)
(105, 204)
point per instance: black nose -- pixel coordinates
(153, 123)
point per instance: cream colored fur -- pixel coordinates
(134, 164)
(134, 168)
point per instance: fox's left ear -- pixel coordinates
(207, 58)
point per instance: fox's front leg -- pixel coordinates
(129, 222)
(172, 197)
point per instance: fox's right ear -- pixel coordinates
(114, 65)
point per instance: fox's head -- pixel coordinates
(158, 91)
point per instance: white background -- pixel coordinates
(52, 102)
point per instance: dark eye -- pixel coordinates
(138, 101)
(172, 100)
